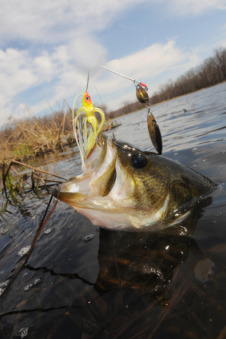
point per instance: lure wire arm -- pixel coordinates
(135, 82)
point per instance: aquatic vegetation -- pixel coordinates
(17, 183)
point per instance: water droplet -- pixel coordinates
(3, 230)
(183, 230)
(29, 286)
(24, 250)
(37, 281)
(48, 230)
(88, 237)
(204, 270)
(23, 332)
(3, 286)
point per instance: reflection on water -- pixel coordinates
(84, 282)
(145, 261)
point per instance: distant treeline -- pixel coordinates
(125, 109)
(211, 72)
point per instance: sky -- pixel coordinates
(48, 47)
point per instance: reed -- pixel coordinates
(34, 136)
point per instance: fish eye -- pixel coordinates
(138, 160)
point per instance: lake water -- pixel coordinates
(85, 282)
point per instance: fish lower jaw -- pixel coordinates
(125, 218)
(109, 220)
(118, 221)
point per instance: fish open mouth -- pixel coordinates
(105, 191)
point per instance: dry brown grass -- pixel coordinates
(34, 136)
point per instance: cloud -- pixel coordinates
(16, 76)
(57, 21)
(48, 76)
(151, 60)
(194, 7)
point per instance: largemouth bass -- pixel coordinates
(124, 188)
